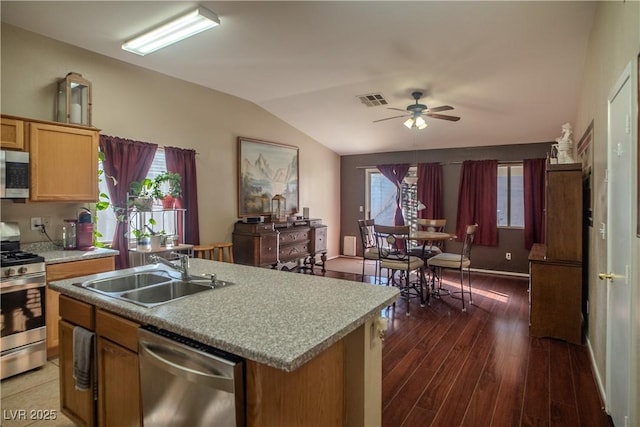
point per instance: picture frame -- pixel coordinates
(266, 169)
(638, 151)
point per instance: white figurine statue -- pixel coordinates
(565, 145)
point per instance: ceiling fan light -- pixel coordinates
(420, 123)
(181, 28)
(409, 123)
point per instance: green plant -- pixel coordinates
(142, 188)
(103, 202)
(172, 179)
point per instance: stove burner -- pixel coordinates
(18, 258)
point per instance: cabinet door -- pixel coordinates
(64, 163)
(12, 135)
(77, 405)
(319, 239)
(119, 382)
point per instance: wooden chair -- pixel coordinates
(223, 251)
(457, 262)
(399, 263)
(369, 245)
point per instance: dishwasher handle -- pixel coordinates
(217, 382)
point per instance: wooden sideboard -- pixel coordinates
(277, 243)
(556, 267)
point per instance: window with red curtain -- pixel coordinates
(429, 190)
(395, 174)
(477, 201)
(534, 200)
(183, 161)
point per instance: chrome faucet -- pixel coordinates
(183, 268)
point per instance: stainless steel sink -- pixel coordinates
(149, 286)
(120, 284)
(164, 292)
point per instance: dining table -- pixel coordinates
(428, 238)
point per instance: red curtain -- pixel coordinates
(477, 201)
(533, 181)
(126, 161)
(395, 174)
(430, 190)
(183, 161)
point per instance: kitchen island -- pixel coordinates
(292, 329)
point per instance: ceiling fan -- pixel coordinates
(416, 111)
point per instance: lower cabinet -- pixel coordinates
(116, 401)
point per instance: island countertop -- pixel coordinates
(276, 318)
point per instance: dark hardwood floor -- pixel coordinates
(445, 367)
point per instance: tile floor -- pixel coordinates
(27, 396)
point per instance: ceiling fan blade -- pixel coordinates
(443, 116)
(397, 109)
(441, 108)
(389, 118)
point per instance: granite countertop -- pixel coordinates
(276, 318)
(54, 254)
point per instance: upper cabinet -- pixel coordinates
(64, 162)
(12, 136)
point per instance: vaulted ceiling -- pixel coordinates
(511, 70)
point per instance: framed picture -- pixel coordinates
(585, 150)
(266, 169)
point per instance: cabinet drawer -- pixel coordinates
(287, 237)
(77, 312)
(293, 252)
(117, 329)
(67, 270)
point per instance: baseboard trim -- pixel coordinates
(596, 374)
(500, 272)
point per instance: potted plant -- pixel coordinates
(143, 192)
(166, 187)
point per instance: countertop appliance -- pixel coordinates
(22, 305)
(188, 383)
(14, 174)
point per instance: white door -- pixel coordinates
(619, 248)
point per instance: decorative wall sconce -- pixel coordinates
(74, 100)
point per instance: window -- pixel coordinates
(106, 219)
(381, 198)
(510, 196)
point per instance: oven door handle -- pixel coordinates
(37, 281)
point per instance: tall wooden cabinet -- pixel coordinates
(556, 267)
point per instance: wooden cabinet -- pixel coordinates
(118, 380)
(64, 163)
(120, 400)
(75, 404)
(67, 270)
(12, 135)
(555, 268)
(270, 244)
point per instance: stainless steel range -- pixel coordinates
(22, 301)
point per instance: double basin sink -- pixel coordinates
(149, 286)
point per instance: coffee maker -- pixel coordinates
(84, 230)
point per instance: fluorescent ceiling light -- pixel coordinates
(185, 26)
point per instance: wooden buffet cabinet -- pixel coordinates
(556, 267)
(63, 158)
(274, 244)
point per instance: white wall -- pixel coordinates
(134, 103)
(614, 42)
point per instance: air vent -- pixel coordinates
(373, 100)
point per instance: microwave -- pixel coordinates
(14, 174)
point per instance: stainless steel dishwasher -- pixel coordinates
(187, 383)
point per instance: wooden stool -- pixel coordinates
(203, 251)
(223, 247)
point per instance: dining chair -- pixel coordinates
(399, 263)
(429, 248)
(369, 245)
(457, 261)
